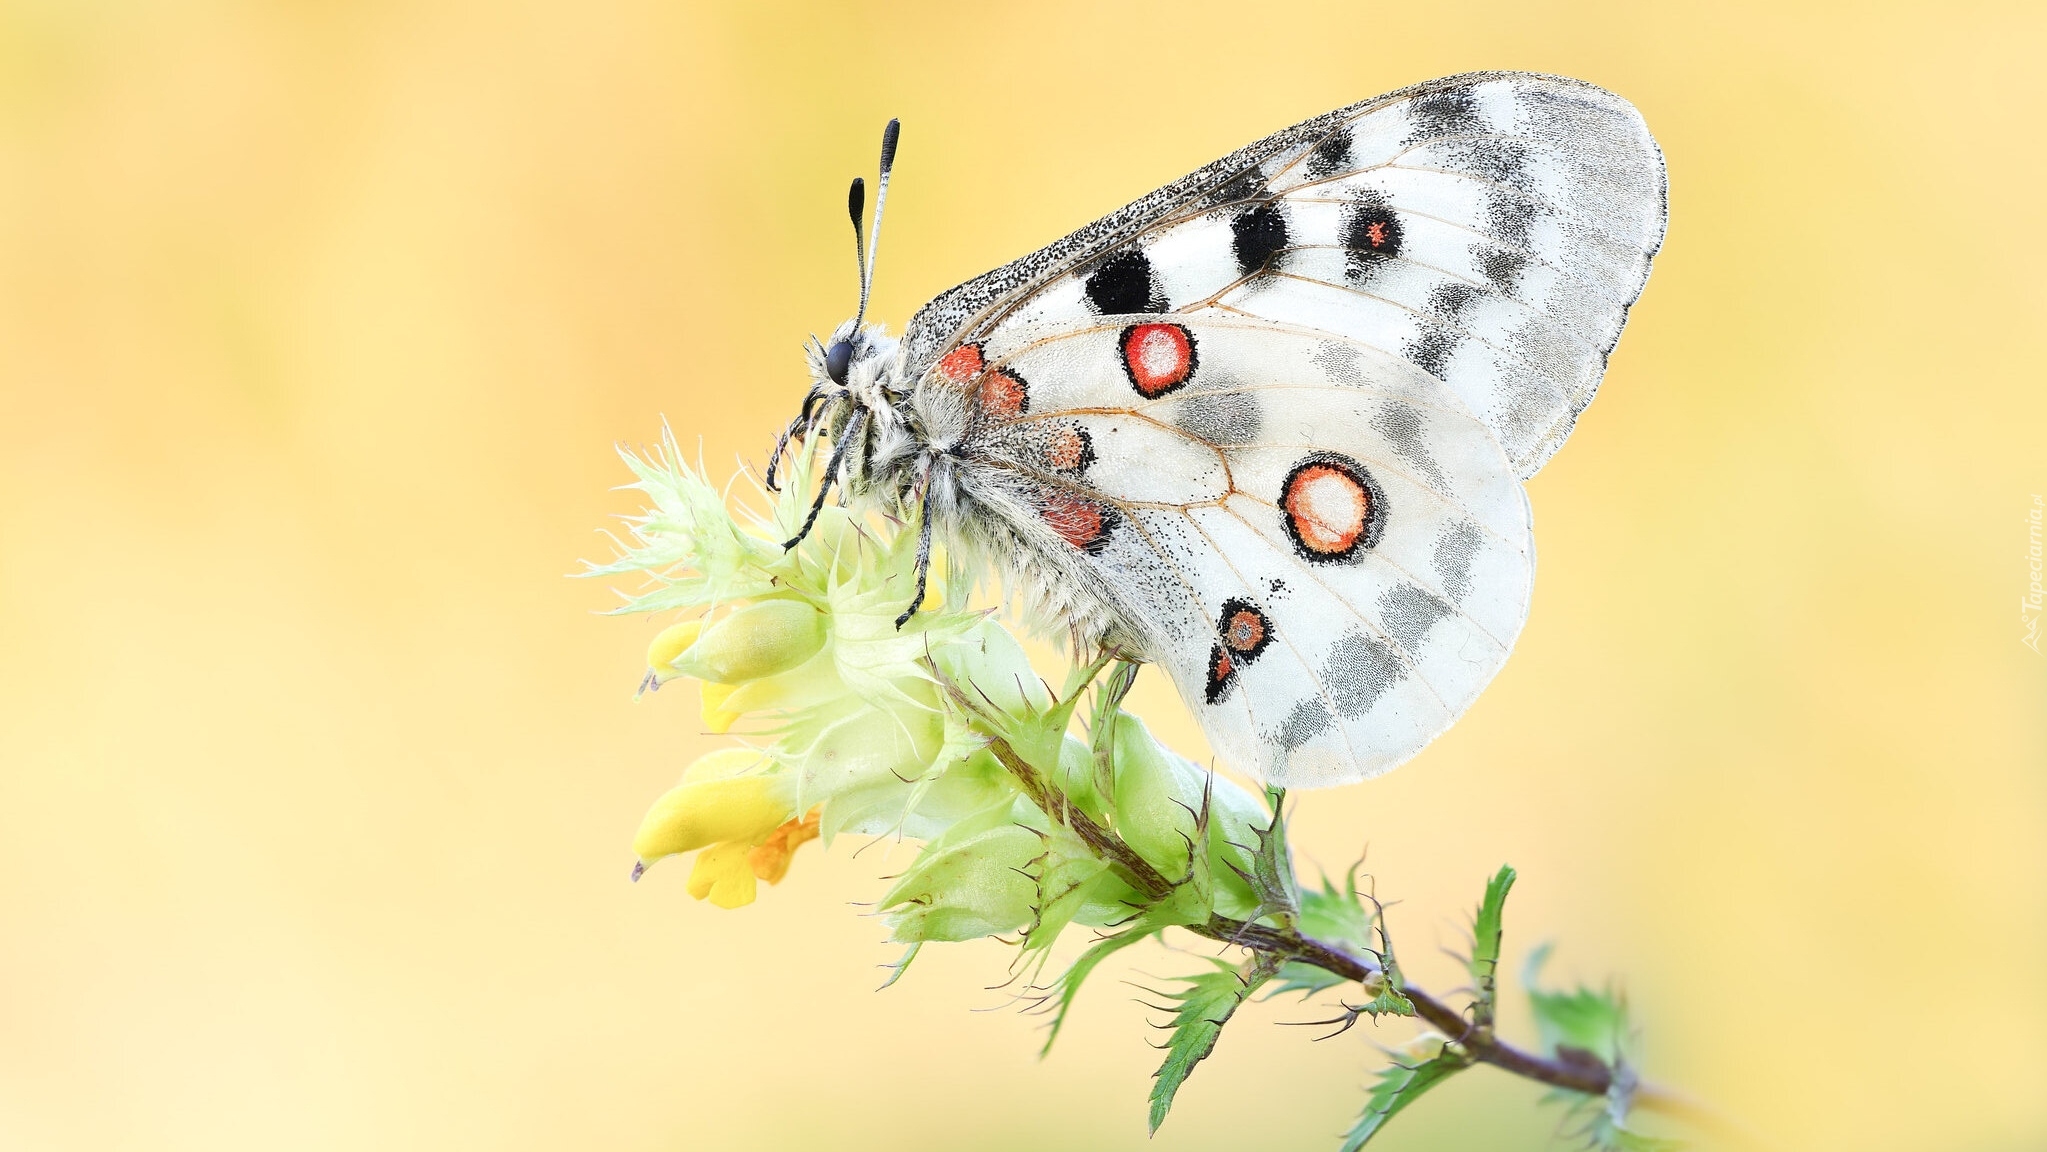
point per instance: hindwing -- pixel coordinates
(1267, 424)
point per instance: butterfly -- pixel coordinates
(1266, 427)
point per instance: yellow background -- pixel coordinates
(317, 324)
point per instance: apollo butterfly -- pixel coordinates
(1266, 427)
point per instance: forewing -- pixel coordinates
(1327, 551)
(1490, 229)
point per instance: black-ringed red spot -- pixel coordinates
(961, 364)
(1003, 395)
(1080, 522)
(1333, 508)
(1158, 357)
(1069, 449)
(1243, 630)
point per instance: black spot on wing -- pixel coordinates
(1371, 232)
(1331, 156)
(1256, 235)
(1123, 284)
(1452, 112)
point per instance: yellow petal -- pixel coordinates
(717, 801)
(716, 717)
(671, 643)
(723, 875)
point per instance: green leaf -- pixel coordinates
(1581, 1019)
(1068, 877)
(1328, 913)
(1153, 921)
(1205, 1005)
(1272, 867)
(1398, 1086)
(1485, 949)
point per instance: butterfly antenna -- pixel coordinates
(888, 164)
(856, 203)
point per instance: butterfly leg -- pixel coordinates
(854, 427)
(923, 568)
(797, 430)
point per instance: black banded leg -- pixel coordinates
(798, 429)
(923, 568)
(781, 446)
(851, 433)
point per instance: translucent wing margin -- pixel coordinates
(1490, 229)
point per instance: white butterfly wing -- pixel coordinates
(1492, 229)
(1266, 424)
(1325, 550)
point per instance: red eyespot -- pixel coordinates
(1333, 507)
(1157, 357)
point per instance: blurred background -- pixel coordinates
(318, 323)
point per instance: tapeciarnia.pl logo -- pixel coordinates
(2030, 605)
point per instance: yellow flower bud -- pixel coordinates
(719, 800)
(761, 639)
(670, 643)
(724, 875)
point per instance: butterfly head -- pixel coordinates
(857, 362)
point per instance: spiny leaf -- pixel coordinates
(1206, 1004)
(1151, 923)
(1398, 1086)
(1272, 867)
(1485, 950)
(1581, 1019)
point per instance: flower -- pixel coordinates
(868, 727)
(728, 803)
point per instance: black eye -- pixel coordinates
(837, 360)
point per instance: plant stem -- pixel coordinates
(1586, 1074)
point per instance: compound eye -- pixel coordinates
(838, 360)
